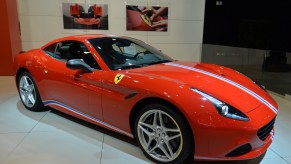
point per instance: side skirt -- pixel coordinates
(83, 115)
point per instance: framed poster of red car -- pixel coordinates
(85, 16)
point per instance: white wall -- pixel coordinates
(41, 21)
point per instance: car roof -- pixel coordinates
(83, 37)
(87, 36)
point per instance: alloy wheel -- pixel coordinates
(160, 135)
(27, 91)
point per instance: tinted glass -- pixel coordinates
(68, 50)
(126, 53)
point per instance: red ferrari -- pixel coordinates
(173, 109)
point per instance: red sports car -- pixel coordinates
(173, 109)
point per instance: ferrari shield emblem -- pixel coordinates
(146, 19)
(118, 78)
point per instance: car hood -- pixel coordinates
(220, 82)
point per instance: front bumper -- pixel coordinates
(221, 138)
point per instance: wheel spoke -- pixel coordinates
(173, 137)
(155, 122)
(23, 97)
(31, 98)
(146, 125)
(171, 130)
(149, 142)
(153, 148)
(26, 99)
(30, 87)
(161, 120)
(161, 146)
(22, 90)
(169, 148)
(145, 131)
(25, 81)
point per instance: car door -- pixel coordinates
(73, 90)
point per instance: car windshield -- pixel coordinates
(127, 53)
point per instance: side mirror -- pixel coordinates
(79, 64)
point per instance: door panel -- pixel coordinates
(72, 89)
(62, 86)
(75, 89)
(92, 82)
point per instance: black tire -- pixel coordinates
(32, 106)
(186, 148)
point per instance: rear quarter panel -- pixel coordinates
(34, 62)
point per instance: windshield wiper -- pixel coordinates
(159, 62)
(141, 65)
(128, 66)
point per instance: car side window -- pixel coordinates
(51, 51)
(68, 50)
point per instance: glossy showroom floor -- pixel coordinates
(52, 137)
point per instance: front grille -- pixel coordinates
(265, 131)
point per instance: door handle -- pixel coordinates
(78, 75)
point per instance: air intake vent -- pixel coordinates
(240, 151)
(265, 131)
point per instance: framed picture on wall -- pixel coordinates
(85, 16)
(146, 18)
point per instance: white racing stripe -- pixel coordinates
(272, 135)
(269, 105)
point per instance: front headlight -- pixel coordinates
(223, 108)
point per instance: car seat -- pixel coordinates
(75, 51)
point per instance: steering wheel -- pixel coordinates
(137, 54)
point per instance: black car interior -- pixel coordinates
(66, 51)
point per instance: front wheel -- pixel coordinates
(28, 92)
(163, 134)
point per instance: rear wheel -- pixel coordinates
(28, 92)
(163, 134)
